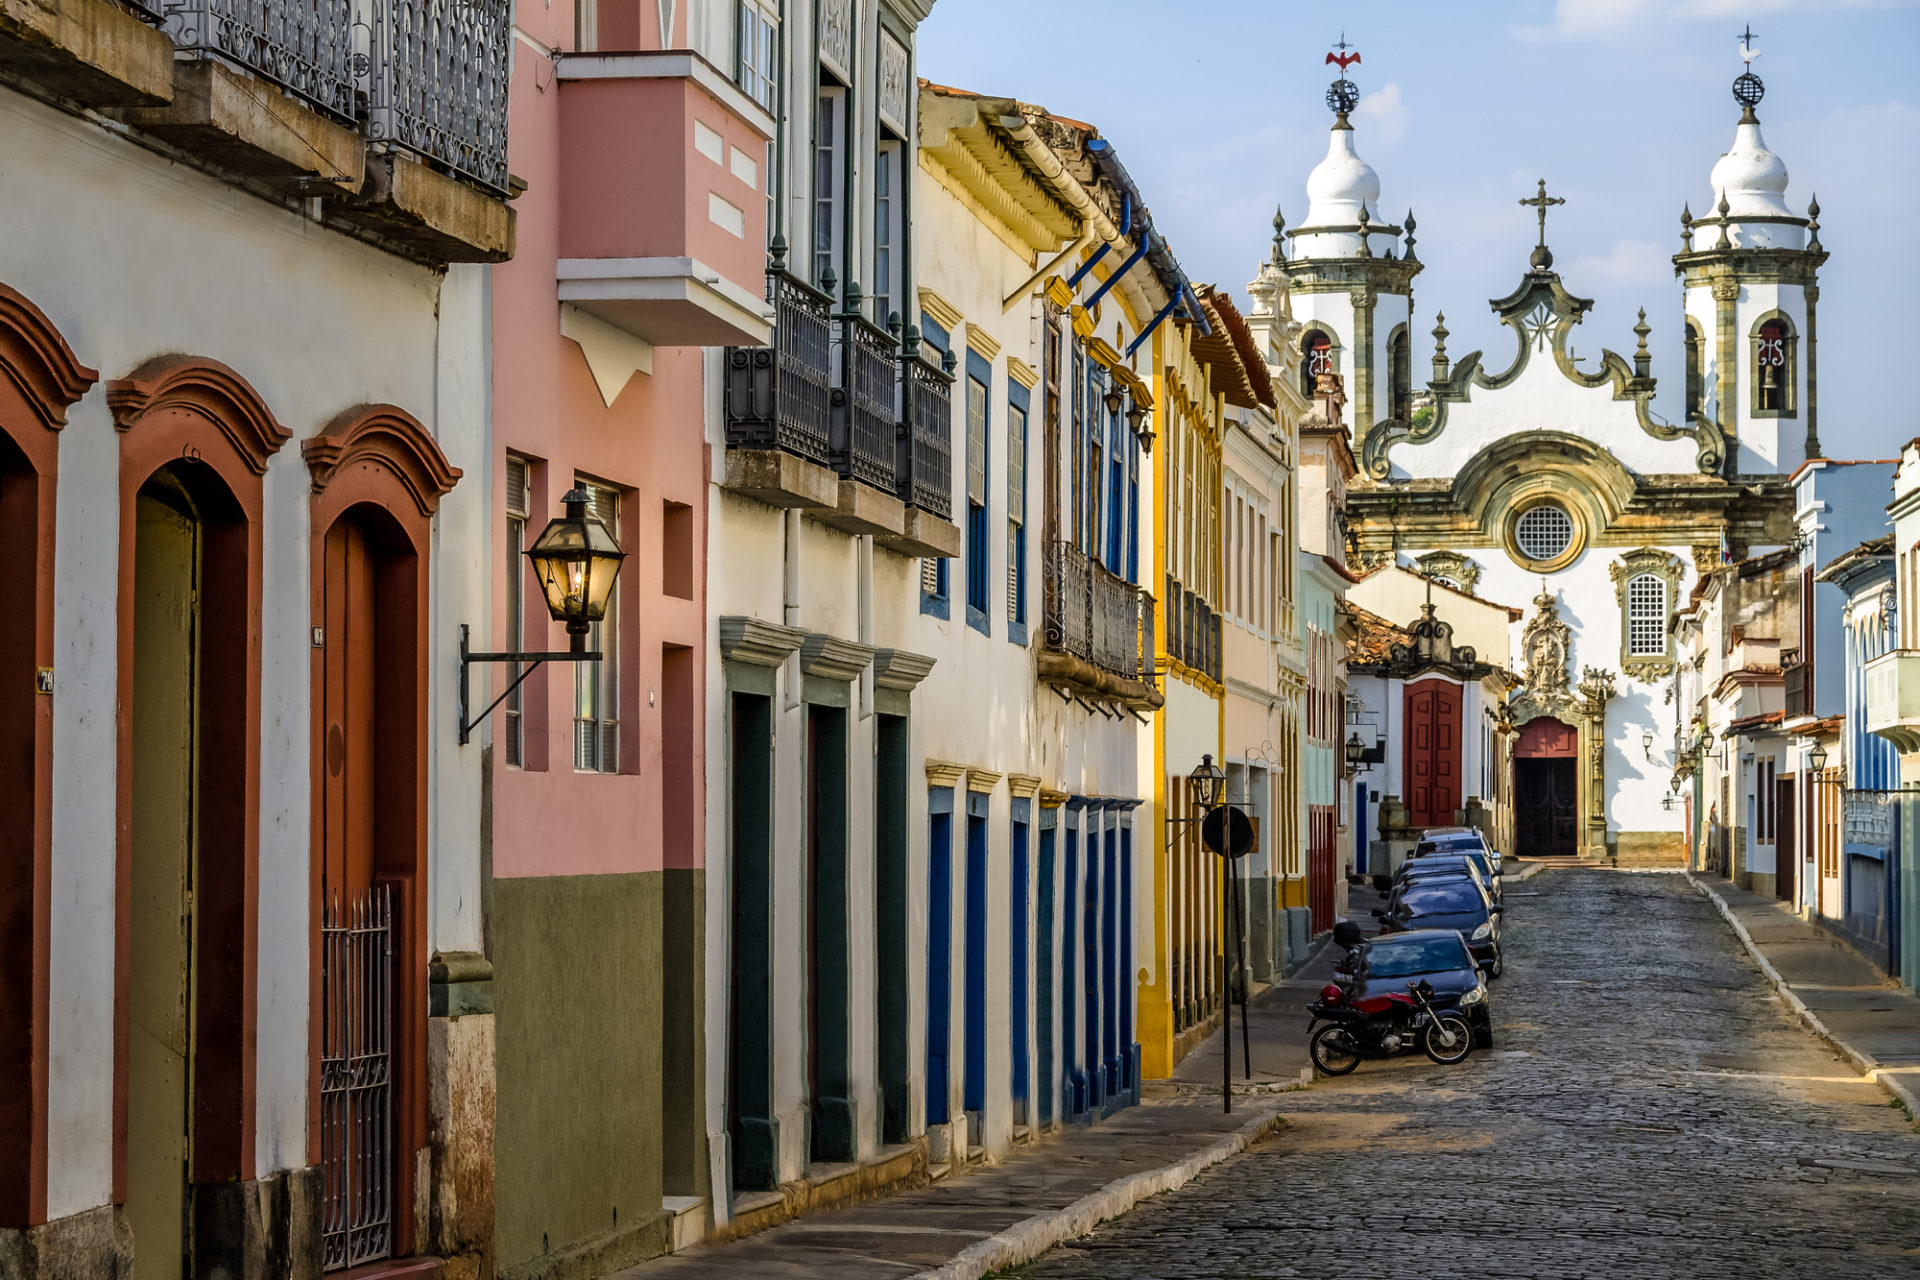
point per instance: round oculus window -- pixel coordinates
(1543, 532)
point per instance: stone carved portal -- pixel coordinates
(1547, 689)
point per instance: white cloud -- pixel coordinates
(1630, 262)
(1591, 19)
(1386, 112)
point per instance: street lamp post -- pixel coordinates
(577, 560)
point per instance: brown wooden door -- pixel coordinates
(347, 815)
(1786, 853)
(1433, 754)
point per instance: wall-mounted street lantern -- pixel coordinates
(1206, 784)
(1817, 757)
(1113, 400)
(1646, 743)
(1356, 751)
(1666, 801)
(577, 560)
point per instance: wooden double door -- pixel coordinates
(1546, 789)
(1433, 752)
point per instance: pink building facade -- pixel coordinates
(642, 241)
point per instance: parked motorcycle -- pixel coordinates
(1383, 1025)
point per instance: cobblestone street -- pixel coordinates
(1649, 1109)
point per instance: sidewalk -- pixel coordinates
(968, 1225)
(1835, 990)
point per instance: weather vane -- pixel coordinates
(1748, 90)
(1344, 95)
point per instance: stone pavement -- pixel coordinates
(1650, 1110)
(1835, 990)
(967, 1225)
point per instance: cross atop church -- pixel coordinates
(1541, 202)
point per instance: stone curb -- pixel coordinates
(1028, 1239)
(1531, 870)
(1865, 1063)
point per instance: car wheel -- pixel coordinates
(1499, 965)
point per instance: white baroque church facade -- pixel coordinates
(1520, 476)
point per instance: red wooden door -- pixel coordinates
(1322, 830)
(1432, 753)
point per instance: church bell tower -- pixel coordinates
(1351, 275)
(1750, 270)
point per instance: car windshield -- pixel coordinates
(1459, 840)
(1424, 955)
(1445, 897)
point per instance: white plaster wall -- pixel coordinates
(133, 256)
(1542, 399)
(1588, 602)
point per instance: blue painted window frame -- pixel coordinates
(1133, 510)
(1018, 397)
(979, 547)
(939, 1050)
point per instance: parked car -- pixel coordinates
(1440, 957)
(1459, 904)
(1453, 840)
(1474, 860)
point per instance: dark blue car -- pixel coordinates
(1440, 958)
(1461, 905)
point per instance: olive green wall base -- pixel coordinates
(596, 1001)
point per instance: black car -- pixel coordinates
(1440, 957)
(1472, 865)
(1455, 840)
(1448, 904)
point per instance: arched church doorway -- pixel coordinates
(1545, 789)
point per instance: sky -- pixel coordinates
(1217, 108)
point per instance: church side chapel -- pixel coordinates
(1528, 477)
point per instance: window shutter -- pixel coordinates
(930, 576)
(517, 487)
(1016, 464)
(976, 443)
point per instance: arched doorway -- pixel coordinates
(189, 598)
(1545, 789)
(39, 379)
(195, 440)
(378, 477)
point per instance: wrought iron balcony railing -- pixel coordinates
(777, 397)
(1097, 615)
(1193, 630)
(438, 82)
(304, 46)
(864, 432)
(925, 446)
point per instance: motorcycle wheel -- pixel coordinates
(1333, 1052)
(1448, 1039)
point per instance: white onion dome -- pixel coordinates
(1340, 184)
(1753, 179)
(1750, 186)
(1342, 190)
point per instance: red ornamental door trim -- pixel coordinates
(39, 378)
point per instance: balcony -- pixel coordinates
(1893, 698)
(1098, 629)
(815, 421)
(394, 110)
(1193, 631)
(663, 199)
(1798, 687)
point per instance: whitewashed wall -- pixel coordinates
(133, 256)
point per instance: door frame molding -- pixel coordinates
(40, 378)
(174, 408)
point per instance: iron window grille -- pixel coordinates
(1543, 532)
(356, 1079)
